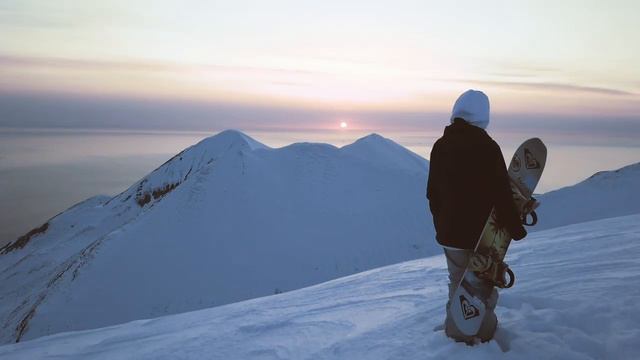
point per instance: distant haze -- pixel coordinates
(78, 112)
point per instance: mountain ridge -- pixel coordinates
(239, 220)
(604, 194)
(204, 215)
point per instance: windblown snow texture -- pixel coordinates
(225, 220)
(575, 299)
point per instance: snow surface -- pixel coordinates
(227, 219)
(575, 297)
(231, 219)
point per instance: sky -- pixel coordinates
(310, 64)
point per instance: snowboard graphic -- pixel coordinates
(487, 263)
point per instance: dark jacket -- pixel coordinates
(467, 178)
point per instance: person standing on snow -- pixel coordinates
(467, 178)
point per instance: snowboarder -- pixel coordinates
(467, 179)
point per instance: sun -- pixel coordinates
(343, 125)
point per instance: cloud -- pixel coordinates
(289, 83)
(66, 111)
(141, 66)
(522, 70)
(533, 76)
(551, 86)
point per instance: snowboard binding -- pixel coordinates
(534, 219)
(497, 273)
(526, 205)
(529, 208)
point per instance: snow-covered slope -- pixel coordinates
(225, 220)
(575, 298)
(605, 194)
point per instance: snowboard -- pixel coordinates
(487, 263)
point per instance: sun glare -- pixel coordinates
(343, 125)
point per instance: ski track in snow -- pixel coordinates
(575, 298)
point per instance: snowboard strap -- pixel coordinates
(512, 278)
(498, 274)
(534, 218)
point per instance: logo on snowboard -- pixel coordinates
(515, 163)
(468, 310)
(530, 161)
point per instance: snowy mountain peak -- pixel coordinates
(232, 138)
(187, 163)
(374, 139)
(377, 148)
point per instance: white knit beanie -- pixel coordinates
(473, 107)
